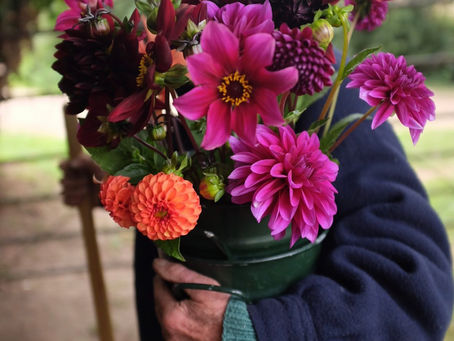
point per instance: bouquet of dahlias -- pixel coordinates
(191, 99)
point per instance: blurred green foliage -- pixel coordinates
(413, 31)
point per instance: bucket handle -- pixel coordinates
(180, 294)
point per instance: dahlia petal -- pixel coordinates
(244, 122)
(246, 157)
(128, 107)
(258, 52)
(240, 172)
(265, 136)
(277, 171)
(276, 81)
(260, 209)
(415, 134)
(219, 41)
(67, 20)
(277, 223)
(242, 199)
(253, 181)
(310, 232)
(263, 166)
(382, 114)
(194, 104)
(286, 210)
(268, 107)
(240, 190)
(268, 189)
(218, 126)
(288, 137)
(204, 70)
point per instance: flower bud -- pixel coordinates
(322, 32)
(211, 187)
(158, 133)
(99, 27)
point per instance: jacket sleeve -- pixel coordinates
(385, 268)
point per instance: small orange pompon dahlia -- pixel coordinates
(115, 195)
(165, 206)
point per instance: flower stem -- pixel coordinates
(351, 129)
(283, 102)
(185, 126)
(149, 146)
(168, 122)
(335, 89)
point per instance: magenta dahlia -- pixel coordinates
(287, 177)
(231, 89)
(387, 82)
(372, 13)
(78, 9)
(243, 20)
(295, 47)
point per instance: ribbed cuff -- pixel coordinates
(237, 324)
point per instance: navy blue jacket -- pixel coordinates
(385, 268)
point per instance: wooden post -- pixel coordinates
(91, 246)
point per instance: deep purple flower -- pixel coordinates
(387, 82)
(243, 20)
(372, 13)
(231, 89)
(295, 47)
(287, 177)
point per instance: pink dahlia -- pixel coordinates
(232, 88)
(387, 82)
(295, 47)
(287, 177)
(243, 20)
(372, 13)
(77, 9)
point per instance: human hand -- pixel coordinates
(78, 182)
(199, 317)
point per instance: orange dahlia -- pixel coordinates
(115, 195)
(165, 206)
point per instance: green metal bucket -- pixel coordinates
(229, 245)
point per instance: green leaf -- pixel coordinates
(171, 248)
(315, 126)
(110, 160)
(330, 138)
(358, 59)
(144, 7)
(135, 171)
(219, 195)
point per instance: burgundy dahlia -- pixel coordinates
(297, 48)
(387, 82)
(287, 177)
(372, 13)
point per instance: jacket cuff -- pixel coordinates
(237, 325)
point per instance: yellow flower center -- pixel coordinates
(145, 62)
(235, 89)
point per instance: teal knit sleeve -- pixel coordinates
(237, 324)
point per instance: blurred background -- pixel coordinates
(44, 285)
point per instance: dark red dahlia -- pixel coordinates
(295, 47)
(89, 65)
